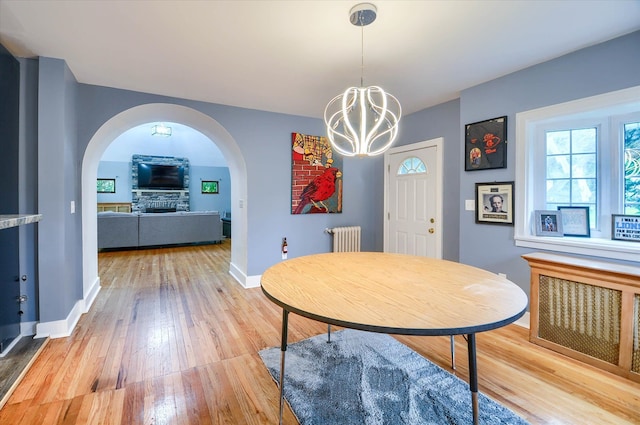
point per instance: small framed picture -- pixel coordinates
(548, 223)
(575, 221)
(106, 185)
(210, 187)
(625, 227)
(494, 203)
(485, 144)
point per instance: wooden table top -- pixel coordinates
(394, 293)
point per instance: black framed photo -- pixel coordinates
(210, 187)
(494, 203)
(106, 185)
(485, 144)
(575, 221)
(625, 227)
(548, 223)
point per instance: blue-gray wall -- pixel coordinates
(121, 172)
(65, 128)
(606, 67)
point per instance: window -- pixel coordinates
(412, 165)
(580, 153)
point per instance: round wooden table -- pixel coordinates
(394, 294)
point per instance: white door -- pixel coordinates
(413, 199)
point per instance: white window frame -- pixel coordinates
(529, 125)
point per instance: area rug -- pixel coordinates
(369, 378)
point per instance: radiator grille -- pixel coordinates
(346, 239)
(635, 362)
(582, 317)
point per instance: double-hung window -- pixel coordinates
(582, 153)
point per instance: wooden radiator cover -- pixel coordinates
(588, 310)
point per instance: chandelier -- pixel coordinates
(362, 121)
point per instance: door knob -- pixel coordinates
(431, 230)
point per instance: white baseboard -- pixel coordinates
(523, 321)
(90, 297)
(244, 280)
(61, 328)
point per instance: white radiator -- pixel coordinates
(345, 239)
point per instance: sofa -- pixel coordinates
(129, 230)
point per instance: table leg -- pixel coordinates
(473, 375)
(283, 350)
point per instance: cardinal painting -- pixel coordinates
(316, 176)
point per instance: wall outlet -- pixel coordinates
(502, 275)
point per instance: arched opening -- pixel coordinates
(160, 112)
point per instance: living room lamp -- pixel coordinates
(362, 121)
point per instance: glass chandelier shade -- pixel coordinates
(362, 121)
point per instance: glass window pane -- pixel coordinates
(583, 190)
(632, 168)
(558, 166)
(559, 191)
(412, 165)
(583, 140)
(558, 142)
(583, 165)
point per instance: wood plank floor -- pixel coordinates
(173, 339)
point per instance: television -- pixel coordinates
(156, 176)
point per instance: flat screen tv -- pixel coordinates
(156, 176)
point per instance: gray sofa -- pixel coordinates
(127, 230)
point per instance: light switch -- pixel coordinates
(469, 204)
(73, 207)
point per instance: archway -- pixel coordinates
(160, 112)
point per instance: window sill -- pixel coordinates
(604, 248)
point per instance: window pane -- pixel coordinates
(583, 165)
(558, 166)
(559, 191)
(583, 140)
(632, 168)
(558, 142)
(583, 190)
(412, 165)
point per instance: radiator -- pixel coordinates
(345, 239)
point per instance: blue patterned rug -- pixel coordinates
(369, 378)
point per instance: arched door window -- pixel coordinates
(412, 165)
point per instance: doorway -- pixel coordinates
(413, 199)
(137, 116)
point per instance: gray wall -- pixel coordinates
(606, 67)
(69, 114)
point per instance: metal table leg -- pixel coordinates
(283, 350)
(473, 375)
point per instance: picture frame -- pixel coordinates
(625, 227)
(106, 185)
(575, 221)
(209, 187)
(548, 223)
(494, 203)
(485, 144)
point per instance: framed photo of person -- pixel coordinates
(485, 144)
(494, 203)
(548, 223)
(575, 221)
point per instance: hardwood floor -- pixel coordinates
(172, 338)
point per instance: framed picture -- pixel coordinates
(485, 144)
(625, 227)
(494, 203)
(575, 221)
(209, 187)
(548, 223)
(106, 185)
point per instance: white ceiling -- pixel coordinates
(294, 56)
